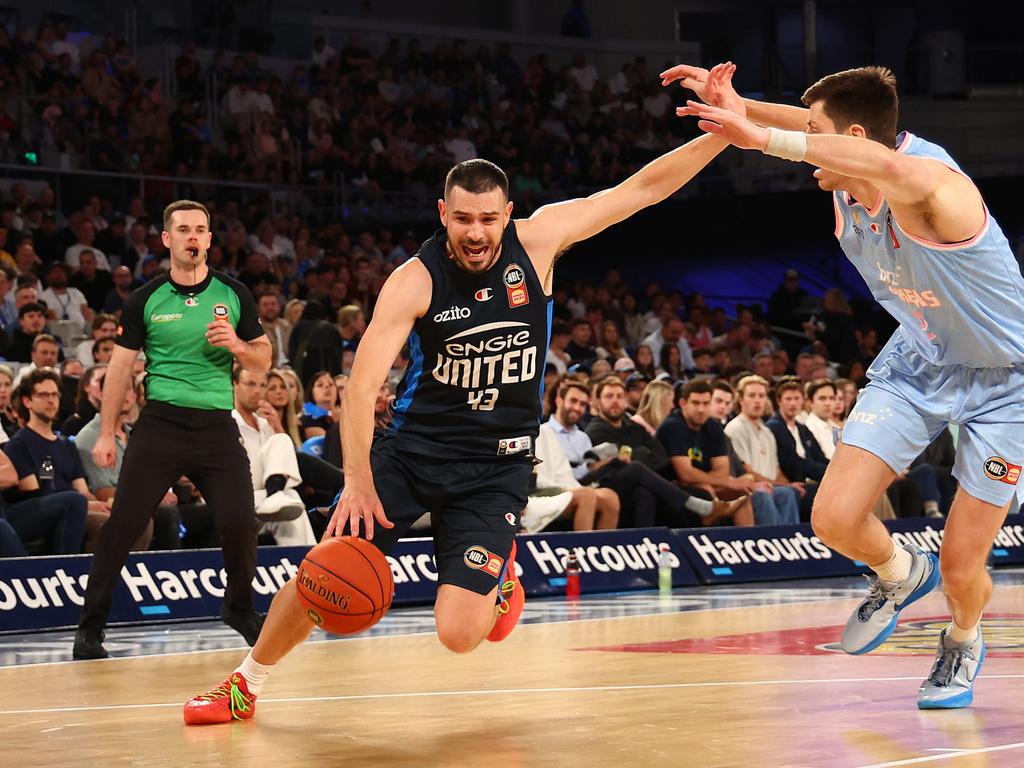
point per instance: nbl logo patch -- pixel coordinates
(479, 559)
(515, 285)
(220, 312)
(997, 468)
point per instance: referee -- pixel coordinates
(194, 324)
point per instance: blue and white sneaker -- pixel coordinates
(875, 618)
(951, 682)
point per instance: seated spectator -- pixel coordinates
(822, 396)
(94, 284)
(52, 500)
(87, 399)
(64, 303)
(85, 236)
(277, 328)
(579, 348)
(559, 494)
(45, 354)
(8, 415)
(609, 342)
(670, 333)
(162, 531)
(699, 451)
(654, 406)
(104, 326)
(10, 543)
(280, 398)
(123, 282)
(800, 455)
(275, 471)
(321, 406)
(557, 354)
(8, 310)
(351, 326)
(669, 363)
(636, 385)
(31, 322)
(645, 363)
(776, 499)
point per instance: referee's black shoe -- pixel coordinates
(246, 623)
(88, 645)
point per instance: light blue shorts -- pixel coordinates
(910, 401)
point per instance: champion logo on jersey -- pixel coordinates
(191, 302)
(452, 313)
(875, 228)
(484, 294)
(515, 285)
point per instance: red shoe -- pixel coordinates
(512, 601)
(229, 701)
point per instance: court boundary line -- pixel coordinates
(948, 756)
(512, 691)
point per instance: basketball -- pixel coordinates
(345, 585)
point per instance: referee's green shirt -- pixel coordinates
(169, 322)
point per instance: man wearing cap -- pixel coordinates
(635, 383)
(62, 301)
(31, 322)
(624, 367)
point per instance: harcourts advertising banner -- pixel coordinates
(48, 592)
(608, 560)
(722, 555)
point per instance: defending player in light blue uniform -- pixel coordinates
(917, 229)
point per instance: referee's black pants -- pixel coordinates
(166, 443)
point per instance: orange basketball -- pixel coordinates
(345, 585)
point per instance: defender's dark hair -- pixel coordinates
(476, 177)
(865, 96)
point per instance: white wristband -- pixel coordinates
(789, 145)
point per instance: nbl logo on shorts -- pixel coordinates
(998, 468)
(479, 559)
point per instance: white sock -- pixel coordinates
(959, 635)
(897, 567)
(702, 507)
(255, 674)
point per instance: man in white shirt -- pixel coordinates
(63, 302)
(776, 500)
(671, 332)
(821, 394)
(85, 234)
(275, 470)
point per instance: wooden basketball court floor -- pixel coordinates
(724, 676)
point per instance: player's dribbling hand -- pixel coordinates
(357, 503)
(103, 452)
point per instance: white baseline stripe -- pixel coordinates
(948, 756)
(503, 692)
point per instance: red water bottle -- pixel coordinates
(572, 577)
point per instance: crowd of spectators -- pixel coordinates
(389, 120)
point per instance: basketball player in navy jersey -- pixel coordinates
(919, 232)
(474, 306)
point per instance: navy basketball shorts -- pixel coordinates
(474, 509)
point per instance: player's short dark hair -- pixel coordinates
(866, 96)
(693, 387)
(183, 205)
(476, 176)
(813, 387)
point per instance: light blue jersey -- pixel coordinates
(957, 304)
(958, 354)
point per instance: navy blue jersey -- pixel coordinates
(476, 374)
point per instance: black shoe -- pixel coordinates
(89, 645)
(246, 623)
